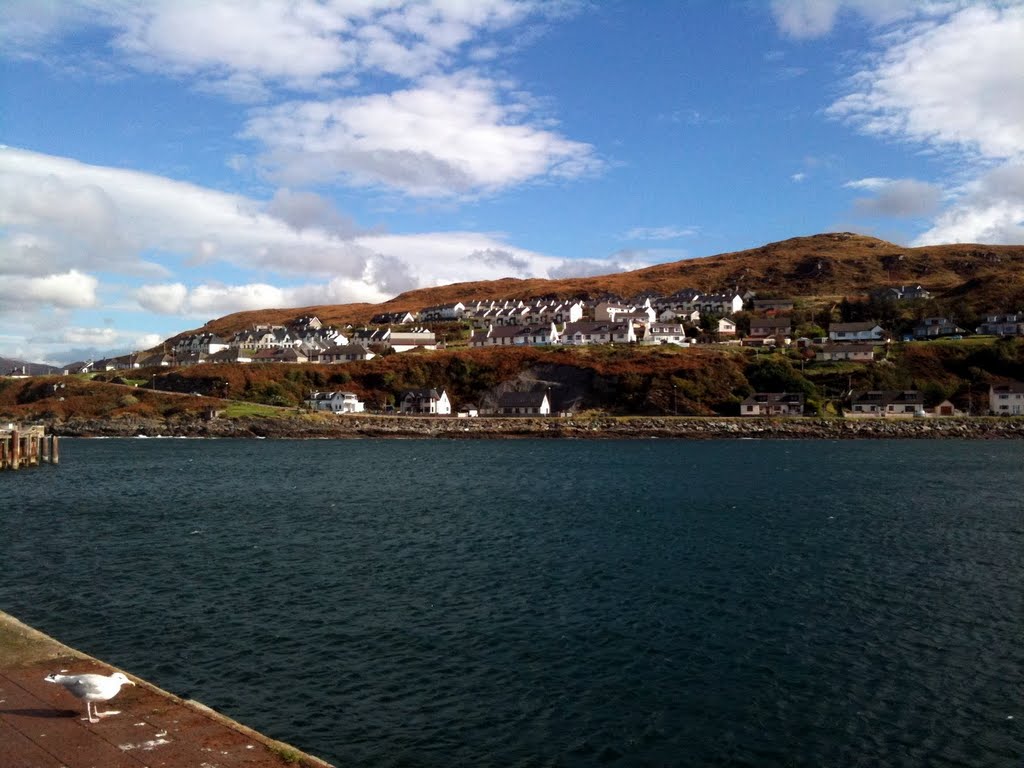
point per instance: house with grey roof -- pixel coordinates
(773, 404)
(423, 402)
(524, 404)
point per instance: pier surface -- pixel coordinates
(42, 725)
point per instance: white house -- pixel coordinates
(906, 402)
(524, 404)
(593, 332)
(856, 332)
(726, 327)
(336, 402)
(666, 333)
(1006, 399)
(862, 353)
(773, 404)
(404, 341)
(425, 401)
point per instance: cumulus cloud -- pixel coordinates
(240, 47)
(949, 84)
(305, 210)
(68, 290)
(451, 135)
(902, 198)
(989, 209)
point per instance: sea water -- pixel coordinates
(548, 603)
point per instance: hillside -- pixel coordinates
(820, 268)
(620, 380)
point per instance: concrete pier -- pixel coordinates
(43, 726)
(27, 447)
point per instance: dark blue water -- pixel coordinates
(562, 603)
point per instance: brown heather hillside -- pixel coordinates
(976, 279)
(619, 380)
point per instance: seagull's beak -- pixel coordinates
(129, 682)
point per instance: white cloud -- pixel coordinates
(68, 290)
(452, 135)
(659, 233)
(903, 198)
(956, 83)
(294, 237)
(989, 209)
(242, 47)
(798, 177)
(816, 18)
(163, 299)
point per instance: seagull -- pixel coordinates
(92, 688)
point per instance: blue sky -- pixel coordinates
(165, 162)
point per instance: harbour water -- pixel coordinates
(549, 603)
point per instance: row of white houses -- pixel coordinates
(434, 402)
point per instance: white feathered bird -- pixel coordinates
(90, 688)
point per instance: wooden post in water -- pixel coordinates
(3, 452)
(44, 450)
(54, 450)
(15, 449)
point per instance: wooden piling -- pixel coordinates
(27, 447)
(15, 449)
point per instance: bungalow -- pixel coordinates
(153, 361)
(680, 315)
(869, 331)
(901, 293)
(425, 401)
(1006, 399)
(770, 327)
(1003, 325)
(443, 312)
(934, 327)
(906, 402)
(861, 353)
(288, 355)
(726, 327)
(393, 318)
(233, 355)
(336, 402)
(588, 332)
(666, 333)
(516, 335)
(403, 341)
(524, 404)
(344, 353)
(773, 404)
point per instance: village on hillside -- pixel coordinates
(687, 318)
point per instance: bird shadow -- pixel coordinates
(48, 713)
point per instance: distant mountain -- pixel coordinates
(9, 366)
(820, 268)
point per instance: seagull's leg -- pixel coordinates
(88, 712)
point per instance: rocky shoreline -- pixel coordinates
(590, 427)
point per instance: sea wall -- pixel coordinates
(348, 426)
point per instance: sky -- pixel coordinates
(167, 162)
